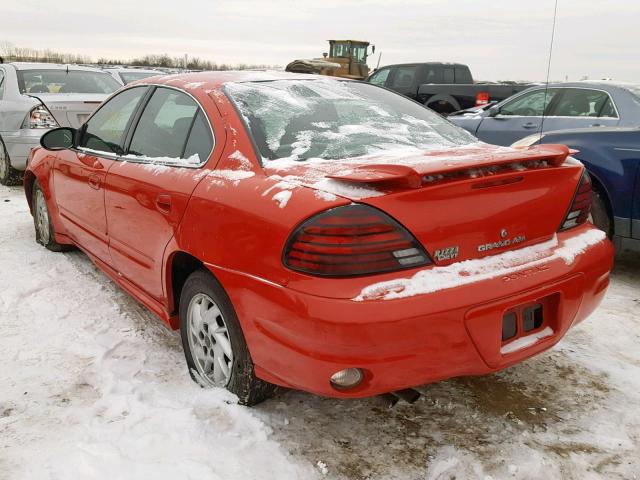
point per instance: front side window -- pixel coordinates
(404, 77)
(164, 128)
(380, 77)
(63, 81)
(531, 104)
(582, 102)
(104, 131)
(333, 120)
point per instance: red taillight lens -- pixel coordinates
(352, 240)
(482, 98)
(581, 206)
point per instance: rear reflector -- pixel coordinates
(352, 240)
(581, 205)
(482, 98)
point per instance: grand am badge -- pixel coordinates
(448, 253)
(485, 247)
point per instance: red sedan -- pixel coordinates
(322, 234)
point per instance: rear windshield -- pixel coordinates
(128, 77)
(332, 119)
(62, 81)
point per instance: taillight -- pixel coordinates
(581, 205)
(482, 98)
(352, 240)
(39, 117)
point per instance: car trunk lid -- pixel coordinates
(461, 204)
(71, 109)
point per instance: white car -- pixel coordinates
(126, 75)
(35, 97)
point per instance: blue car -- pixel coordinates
(565, 106)
(612, 157)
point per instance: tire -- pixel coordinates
(600, 216)
(206, 350)
(9, 176)
(45, 234)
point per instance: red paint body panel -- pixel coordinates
(300, 329)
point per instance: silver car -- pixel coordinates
(35, 97)
(126, 75)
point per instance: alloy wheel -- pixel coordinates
(42, 218)
(209, 340)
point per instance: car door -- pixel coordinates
(79, 174)
(517, 118)
(147, 193)
(581, 108)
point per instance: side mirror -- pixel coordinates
(493, 111)
(58, 139)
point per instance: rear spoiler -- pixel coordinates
(411, 176)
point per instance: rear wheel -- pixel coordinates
(45, 234)
(213, 342)
(600, 216)
(8, 175)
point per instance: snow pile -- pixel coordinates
(434, 279)
(232, 175)
(527, 341)
(95, 387)
(282, 198)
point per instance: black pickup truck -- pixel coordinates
(443, 87)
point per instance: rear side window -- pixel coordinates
(200, 141)
(448, 75)
(404, 77)
(105, 130)
(164, 128)
(463, 75)
(380, 77)
(582, 102)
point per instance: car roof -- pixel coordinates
(51, 66)
(413, 64)
(214, 80)
(602, 84)
(132, 69)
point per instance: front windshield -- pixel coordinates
(331, 119)
(128, 77)
(63, 81)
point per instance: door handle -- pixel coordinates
(596, 125)
(94, 181)
(163, 203)
(530, 125)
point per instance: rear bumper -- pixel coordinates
(299, 340)
(19, 144)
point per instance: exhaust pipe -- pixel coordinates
(409, 395)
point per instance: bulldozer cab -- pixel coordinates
(352, 57)
(357, 51)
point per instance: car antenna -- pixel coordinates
(546, 86)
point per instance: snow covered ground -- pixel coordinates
(92, 386)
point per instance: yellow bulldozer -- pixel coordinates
(346, 58)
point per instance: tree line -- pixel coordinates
(10, 52)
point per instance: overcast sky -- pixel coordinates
(498, 39)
